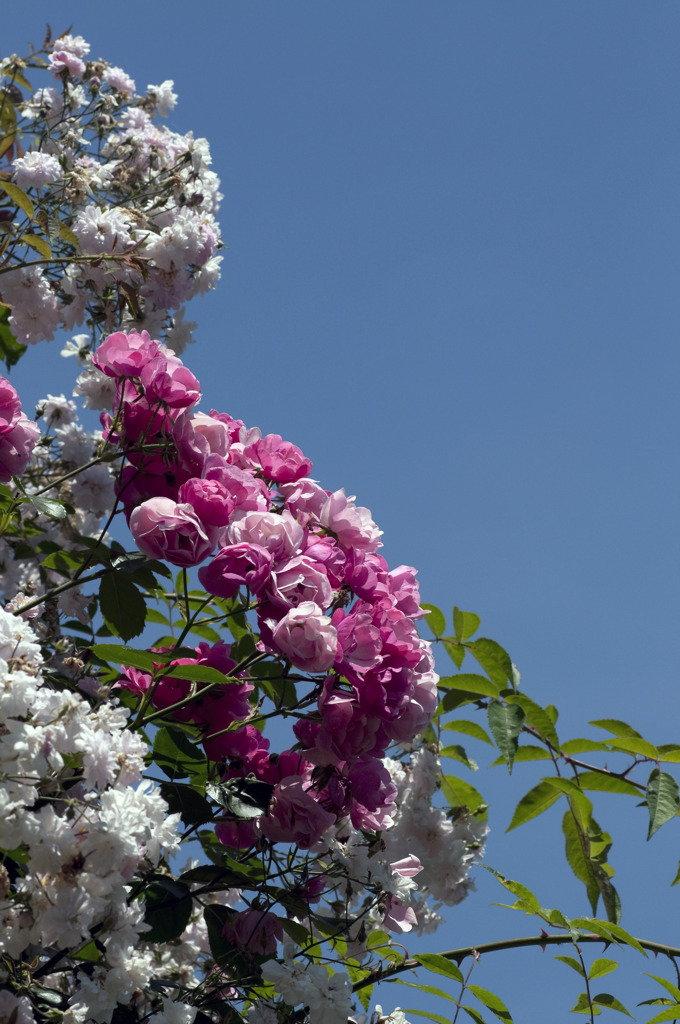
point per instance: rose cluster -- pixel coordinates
(204, 490)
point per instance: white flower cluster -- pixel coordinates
(328, 996)
(80, 826)
(445, 848)
(65, 447)
(127, 206)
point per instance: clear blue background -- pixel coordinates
(452, 279)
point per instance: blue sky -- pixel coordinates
(452, 279)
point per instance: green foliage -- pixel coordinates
(663, 800)
(506, 722)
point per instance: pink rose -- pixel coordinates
(256, 930)
(236, 566)
(306, 636)
(281, 461)
(125, 355)
(298, 580)
(18, 434)
(294, 815)
(166, 379)
(162, 528)
(214, 431)
(210, 500)
(351, 524)
(280, 534)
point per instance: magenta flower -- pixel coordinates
(306, 636)
(236, 566)
(162, 528)
(18, 434)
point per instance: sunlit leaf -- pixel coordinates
(533, 803)
(663, 799)
(601, 966)
(464, 624)
(18, 196)
(505, 723)
(469, 729)
(435, 619)
(439, 965)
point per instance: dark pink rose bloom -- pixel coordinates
(136, 486)
(347, 729)
(294, 815)
(245, 750)
(373, 794)
(304, 499)
(405, 591)
(305, 635)
(351, 523)
(367, 574)
(134, 680)
(327, 551)
(279, 533)
(234, 427)
(18, 434)
(213, 430)
(255, 930)
(125, 355)
(164, 529)
(280, 460)
(236, 833)
(360, 638)
(419, 709)
(249, 493)
(166, 447)
(167, 380)
(211, 501)
(299, 579)
(236, 566)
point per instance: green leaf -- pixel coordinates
(577, 850)
(491, 1001)
(436, 1017)
(601, 783)
(457, 753)
(430, 989)
(122, 605)
(465, 624)
(122, 655)
(663, 800)
(175, 755)
(474, 1015)
(10, 349)
(19, 197)
(536, 717)
(244, 798)
(526, 752)
(600, 967)
(611, 1002)
(435, 619)
(469, 729)
(48, 506)
(505, 723)
(583, 1005)
(668, 985)
(168, 909)
(494, 660)
(578, 801)
(459, 793)
(455, 651)
(677, 877)
(198, 674)
(571, 962)
(37, 243)
(671, 1013)
(608, 930)
(616, 726)
(581, 746)
(471, 683)
(533, 803)
(439, 965)
(530, 903)
(632, 745)
(216, 916)
(669, 752)
(182, 799)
